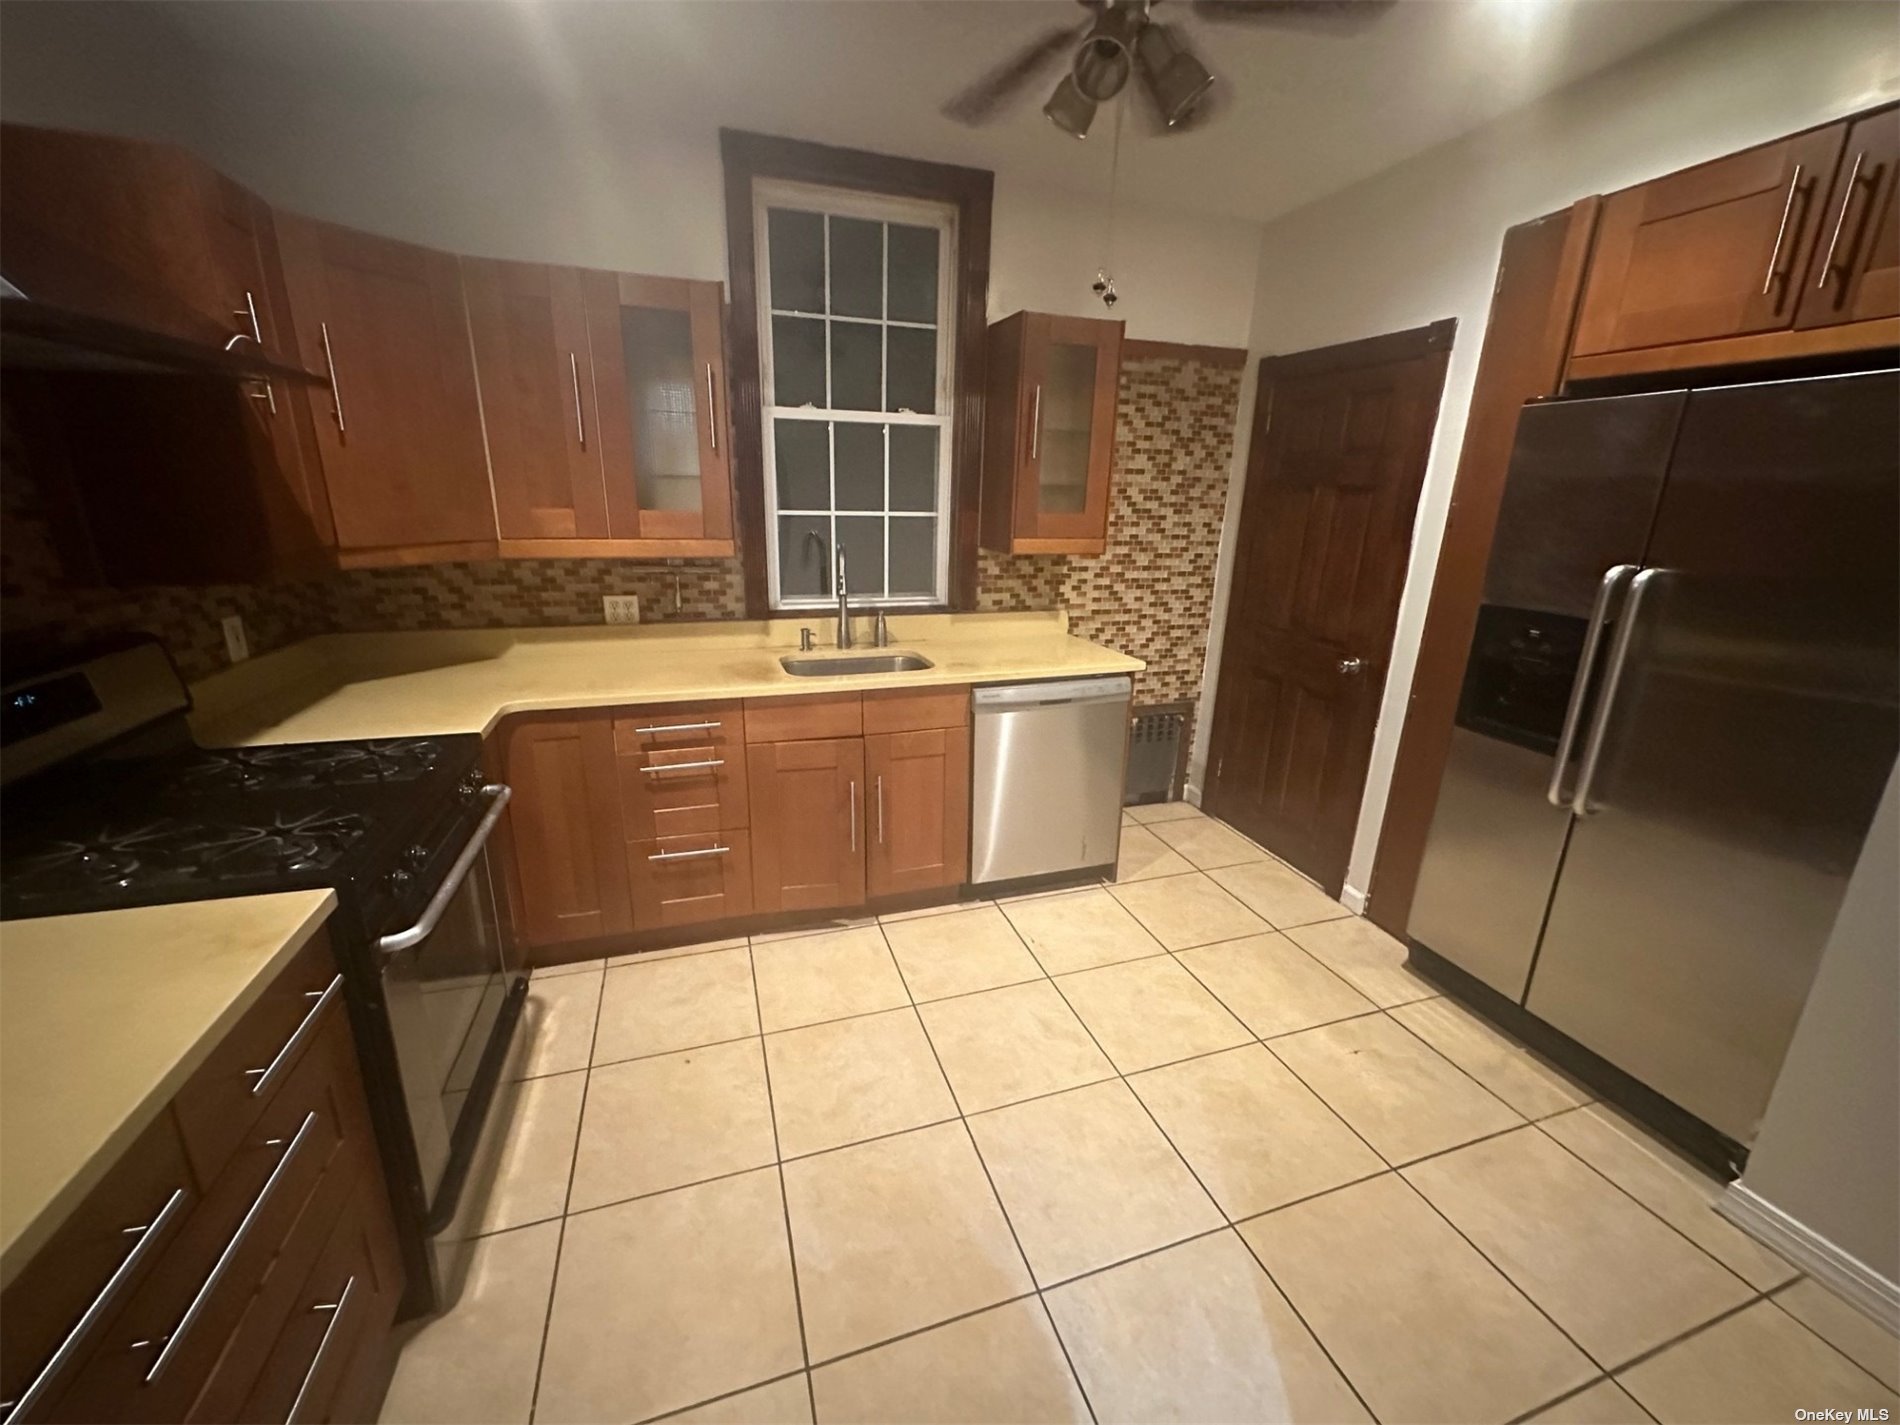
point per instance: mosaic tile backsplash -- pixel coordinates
(1149, 595)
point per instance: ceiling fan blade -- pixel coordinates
(982, 100)
(1326, 17)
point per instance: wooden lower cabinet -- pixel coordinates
(684, 880)
(920, 810)
(565, 829)
(808, 824)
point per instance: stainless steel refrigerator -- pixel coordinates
(1681, 704)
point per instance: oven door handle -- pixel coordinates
(497, 794)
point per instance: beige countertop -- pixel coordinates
(414, 684)
(102, 1018)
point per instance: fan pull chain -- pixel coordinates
(1104, 284)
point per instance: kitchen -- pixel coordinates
(684, 743)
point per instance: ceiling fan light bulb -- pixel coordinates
(1175, 79)
(1069, 109)
(1101, 69)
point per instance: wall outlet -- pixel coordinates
(621, 608)
(236, 646)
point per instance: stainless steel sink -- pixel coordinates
(847, 665)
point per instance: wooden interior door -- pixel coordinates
(919, 810)
(1071, 367)
(1340, 440)
(529, 329)
(564, 823)
(1855, 275)
(808, 827)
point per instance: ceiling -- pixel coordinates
(1303, 113)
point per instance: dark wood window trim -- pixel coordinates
(747, 156)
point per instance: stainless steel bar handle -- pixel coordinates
(1781, 233)
(690, 855)
(1612, 680)
(257, 335)
(1613, 579)
(1840, 220)
(712, 410)
(336, 391)
(268, 1076)
(223, 1264)
(684, 766)
(1035, 424)
(149, 1237)
(880, 811)
(574, 373)
(679, 727)
(853, 797)
(498, 794)
(336, 1310)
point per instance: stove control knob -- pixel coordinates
(471, 786)
(398, 881)
(416, 857)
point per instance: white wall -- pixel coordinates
(1421, 240)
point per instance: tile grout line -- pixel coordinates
(1769, 1294)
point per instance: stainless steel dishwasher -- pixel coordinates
(1048, 767)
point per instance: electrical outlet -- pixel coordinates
(236, 646)
(621, 608)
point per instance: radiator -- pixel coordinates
(1157, 747)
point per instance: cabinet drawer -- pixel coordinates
(683, 880)
(678, 786)
(220, 1102)
(800, 719)
(915, 709)
(671, 725)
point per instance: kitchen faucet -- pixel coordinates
(844, 603)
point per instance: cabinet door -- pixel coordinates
(1714, 251)
(529, 328)
(401, 429)
(568, 844)
(920, 809)
(1855, 276)
(660, 371)
(685, 880)
(807, 824)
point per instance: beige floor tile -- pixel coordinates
(1079, 931)
(853, 1079)
(573, 967)
(1196, 1333)
(898, 917)
(1003, 1045)
(1533, 1087)
(557, 1024)
(1181, 911)
(1277, 893)
(670, 1300)
(1398, 1093)
(672, 1119)
(1087, 1179)
(1254, 1134)
(1844, 1327)
(1144, 856)
(1150, 1012)
(1148, 813)
(673, 952)
(1207, 843)
(783, 1402)
(1682, 1194)
(1422, 1325)
(1607, 1270)
(817, 927)
(478, 1360)
(813, 978)
(1364, 955)
(1605, 1403)
(527, 1151)
(1759, 1364)
(895, 1235)
(1002, 1365)
(1273, 985)
(956, 954)
(654, 1008)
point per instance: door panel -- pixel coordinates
(920, 810)
(1855, 275)
(568, 844)
(808, 827)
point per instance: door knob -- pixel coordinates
(1350, 666)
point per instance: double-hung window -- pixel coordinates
(855, 389)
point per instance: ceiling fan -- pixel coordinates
(1120, 38)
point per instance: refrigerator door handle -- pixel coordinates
(1613, 579)
(1612, 680)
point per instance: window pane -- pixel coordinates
(1068, 403)
(656, 347)
(796, 247)
(863, 539)
(914, 556)
(804, 548)
(913, 274)
(857, 362)
(913, 469)
(800, 451)
(859, 451)
(857, 268)
(913, 379)
(798, 361)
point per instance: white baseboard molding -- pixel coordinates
(1828, 1264)
(1191, 793)
(1353, 899)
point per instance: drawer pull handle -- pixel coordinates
(683, 766)
(149, 1237)
(268, 1076)
(690, 855)
(223, 1264)
(678, 727)
(336, 1310)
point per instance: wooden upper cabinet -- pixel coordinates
(919, 838)
(808, 827)
(565, 829)
(1718, 250)
(400, 431)
(1049, 433)
(1855, 274)
(529, 328)
(660, 376)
